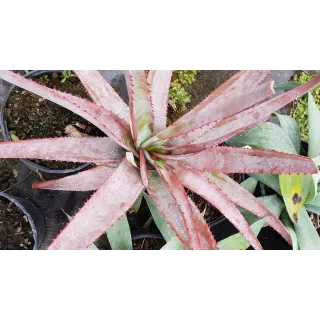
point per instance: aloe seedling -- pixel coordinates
(67, 74)
(141, 153)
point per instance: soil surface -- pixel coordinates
(29, 116)
(148, 244)
(15, 231)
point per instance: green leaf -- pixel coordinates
(137, 204)
(291, 128)
(315, 201)
(307, 235)
(237, 241)
(14, 137)
(295, 190)
(267, 136)
(287, 85)
(314, 128)
(289, 225)
(173, 244)
(270, 180)
(92, 247)
(160, 222)
(250, 184)
(312, 208)
(119, 235)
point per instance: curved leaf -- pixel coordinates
(179, 194)
(314, 128)
(208, 113)
(160, 222)
(233, 160)
(159, 82)
(88, 180)
(240, 196)
(105, 120)
(196, 182)
(140, 104)
(307, 235)
(64, 149)
(102, 93)
(119, 235)
(289, 225)
(237, 241)
(291, 128)
(167, 207)
(249, 118)
(295, 190)
(270, 180)
(287, 85)
(267, 136)
(104, 208)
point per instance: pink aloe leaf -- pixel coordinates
(93, 150)
(102, 93)
(236, 160)
(159, 82)
(207, 239)
(167, 206)
(88, 180)
(236, 94)
(242, 197)
(198, 183)
(105, 207)
(143, 169)
(179, 194)
(115, 127)
(140, 105)
(208, 118)
(244, 120)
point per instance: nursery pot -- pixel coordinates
(6, 135)
(35, 218)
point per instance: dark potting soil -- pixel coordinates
(8, 172)
(148, 244)
(15, 231)
(29, 116)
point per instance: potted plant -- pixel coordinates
(140, 154)
(22, 225)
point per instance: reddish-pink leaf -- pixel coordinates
(64, 149)
(104, 208)
(246, 200)
(196, 182)
(88, 180)
(105, 120)
(244, 120)
(217, 111)
(168, 207)
(102, 93)
(236, 94)
(177, 191)
(207, 240)
(235, 160)
(143, 169)
(140, 105)
(159, 82)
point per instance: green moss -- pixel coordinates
(300, 110)
(178, 95)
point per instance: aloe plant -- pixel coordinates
(141, 153)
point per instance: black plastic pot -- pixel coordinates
(35, 218)
(6, 135)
